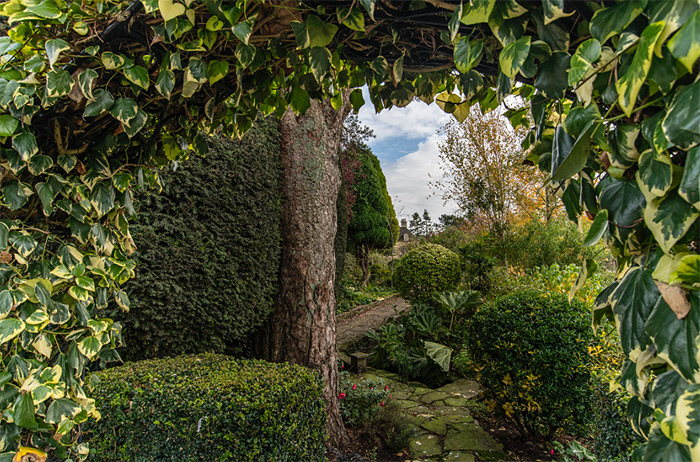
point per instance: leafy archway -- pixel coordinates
(97, 95)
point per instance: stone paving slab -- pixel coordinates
(443, 428)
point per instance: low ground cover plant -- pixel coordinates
(361, 400)
(207, 407)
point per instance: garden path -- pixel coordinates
(354, 324)
(442, 427)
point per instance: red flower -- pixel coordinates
(354, 386)
(341, 396)
(386, 387)
(381, 404)
(389, 396)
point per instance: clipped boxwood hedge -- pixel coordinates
(207, 408)
(425, 270)
(209, 250)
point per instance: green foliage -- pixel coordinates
(208, 250)
(531, 351)
(361, 399)
(92, 120)
(613, 438)
(425, 270)
(401, 345)
(208, 407)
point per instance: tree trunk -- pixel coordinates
(301, 329)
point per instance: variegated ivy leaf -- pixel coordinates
(685, 45)
(632, 303)
(245, 54)
(369, 6)
(10, 328)
(124, 109)
(674, 14)
(216, 70)
(320, 33)
(513, 56)
(165, 82)
(587, 269)
(688, 416)
(683, 119)
(170, 9)
(89, 347)
(674, 338)
(138, 75)
(467, 54)
(103, 102)
(58, 83)
(655, 174)
(114, 61)
(630, 84)
(320, 62)
(582, 61)
(25, 144)
(85, 80)
(553, 10)
(689, 188)
(244, 29)
(612, 20)
(190, 84)
(54, 48)
(622, 140)
(16, 194)
(669, 218)
(477, 11)
(136, 124)
(102, 198)
(687, 270)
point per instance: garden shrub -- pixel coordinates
(361, 399)
(424, 270)
(208, 250)
(613, 437)
(206, 408)
(531, 352)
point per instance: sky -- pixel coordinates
(406, 144)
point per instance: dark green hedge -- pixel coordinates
(208, 250)
(207, 408)
(425, 270)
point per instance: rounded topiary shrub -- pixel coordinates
(425, 270)
(207, 408)
(531, 351)
(209, 249)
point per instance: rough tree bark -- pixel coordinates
(301, 329)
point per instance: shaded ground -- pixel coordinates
(354, 324)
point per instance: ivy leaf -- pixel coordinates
(674, 338)
(214, 24)
(242, 30)
(352, 19)
(10, 328)
(136, 124)
(34, 64)
(552, 79)
(217, 70)
(138, 75)
(397, 70)
(320, 62)
(630, 84)
(477, 12)
(25, 144)
(513, 56)
(597, 229)
(165, 82)
(625, 204)
(47, 9)
(685, 45)
(569, 156)
(124, 109)
(24, 410)
(89, 347)
(102, 198)
(113, 61)
(245, 54)
(170, 9)
(300, 100)
(103, 102)
(8, 125)
(357, 100)
(688, 415)
(669, 218)
(687, 271)
(553, 10)
(610, 21)
(54, 48)
(4, 233)
(369, 6)
(632, 303)
(467, 54)
(39, 164)
(681, 115)
(59, 83)
(122, 180)
(587, 269)
(85, 80)
(582, 61)
(60, 410)
(655, 174)
(16, 194)
(689, 188)
(320, 34)
(453, 23)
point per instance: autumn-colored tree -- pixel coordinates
(483, 172)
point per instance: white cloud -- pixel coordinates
(408, 181)
(415, 121)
